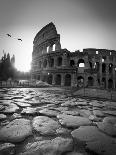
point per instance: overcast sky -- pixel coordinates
(80, 23)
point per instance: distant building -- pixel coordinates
(60, 67)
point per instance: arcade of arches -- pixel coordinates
(60, 67)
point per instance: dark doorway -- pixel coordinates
(67, 80)
(58, 79)
(90, 81)
(110, 83)
(49, 80)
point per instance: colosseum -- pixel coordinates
(60, 67)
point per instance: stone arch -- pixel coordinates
(49, 79)
(59, 61)
(45, 63)
(90, 81)
(81, 63)
(51, 62)
(80, 81)
(58, 79)
(103, 68)
(72, 63)
(110, 68)
(110, 83)
(67, 80)
(104, 82)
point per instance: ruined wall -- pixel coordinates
(90, 68)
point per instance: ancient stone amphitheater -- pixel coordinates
(60, 67)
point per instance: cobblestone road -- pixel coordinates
(49, 121)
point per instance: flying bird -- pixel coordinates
(19, 39)
(8, 35)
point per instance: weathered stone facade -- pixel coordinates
(57, 66)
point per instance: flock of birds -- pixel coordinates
(9, 35)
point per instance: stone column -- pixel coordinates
(73, 80)
(62, 79)
(53, 79)
(107, 74)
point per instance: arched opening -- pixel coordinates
(110, 68)
(58, 79)
(45, 63)
(90, 81)
(72, 63)
(39, 64)
(81, 63)
(59, 61)
(110, 83)
(67, 80)
(47, 49)
(49, 79)
(51, 63)
(90, 64)
(103, 68)
(80, 81)
(53, 47)
(104, 82)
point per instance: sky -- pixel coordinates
(80, 23)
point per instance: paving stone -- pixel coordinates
(73, 112)
(2, 116)
(98, 113)
(90, 134)
(94, 118)
(68, 103)
(16, 131)
(7, 149)
(56, 146)
(20, 104)
(107, 128)
(96, 104)
(73, 121)
(12, 108)
(110, 119)
(29, 110)
(113, 113)
(45, 125)
(102, 147)
(85, 113)
(82, 103)
(48, 112)
(16, 115)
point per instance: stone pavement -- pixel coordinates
(49, 121)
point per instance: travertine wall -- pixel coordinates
(90, 68)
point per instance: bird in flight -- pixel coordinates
(19, 39)
(8, 35)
